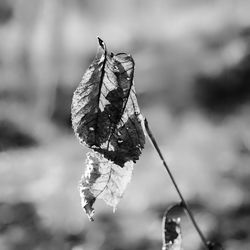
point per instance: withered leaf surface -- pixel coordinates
(171, 234)
(105, 112)
(103, 179)
(106, 118)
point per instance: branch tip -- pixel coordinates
(183, 202)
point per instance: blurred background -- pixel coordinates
(193, 84)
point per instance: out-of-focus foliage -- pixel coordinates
(192, 80)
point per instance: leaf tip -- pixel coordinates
(101, 43)
(89, 211)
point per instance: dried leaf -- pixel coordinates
(105, 112)
(171, 235)
(106, 118)
(103, 179)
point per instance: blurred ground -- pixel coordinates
(193, 84)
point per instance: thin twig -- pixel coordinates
(183, 202)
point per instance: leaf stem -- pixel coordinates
(183, 202)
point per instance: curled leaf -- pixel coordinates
(107, 119)
(171, 231)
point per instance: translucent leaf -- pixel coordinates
(105, 112)
(106, 118)
(103, 179)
